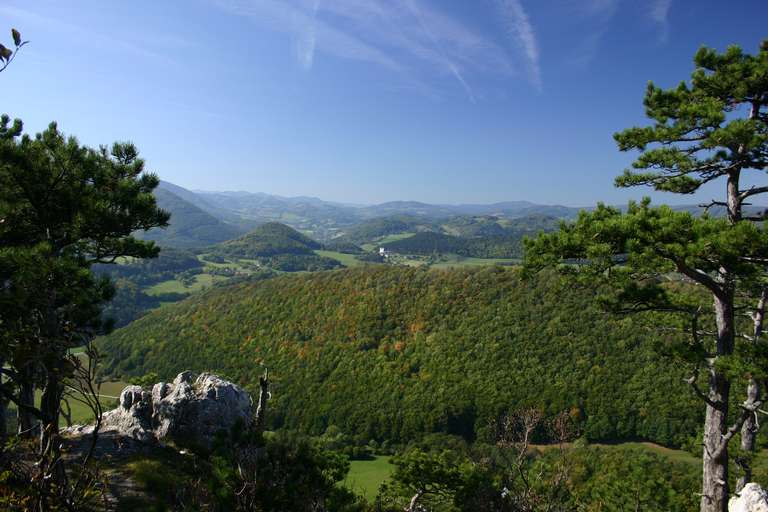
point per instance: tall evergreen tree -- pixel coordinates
(714, 127)
(63, 208)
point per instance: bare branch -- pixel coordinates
(753, 191)
(748, 409)
(712, 203)
(691, 381)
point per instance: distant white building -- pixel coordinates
(383, 252)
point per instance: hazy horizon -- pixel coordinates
(680, 199)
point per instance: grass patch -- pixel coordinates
(454, 261)
(670, 453)
(175, 286)
(366, 476)
(80, 413)
(394, 237)
(348, 260)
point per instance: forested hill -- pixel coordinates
(391, 352)
(189, 226)
(268, 240)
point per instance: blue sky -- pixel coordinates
(450, 101)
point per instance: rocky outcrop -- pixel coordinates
(752, 498)
(190, 411)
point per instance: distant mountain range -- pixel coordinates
(190, 225)
(203, 218)
(260, 205)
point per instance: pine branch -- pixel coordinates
(752, 192)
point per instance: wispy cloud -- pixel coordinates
(448, 62)
(600, 8)
(142, 45)
(520, 28)
(409, 37)
(660, 15)
(305, 50)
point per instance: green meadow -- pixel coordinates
(366, 476)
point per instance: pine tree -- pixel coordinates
(714, 127)
(63, 208)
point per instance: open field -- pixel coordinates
(348, 260)
(670, 453)
(384, 239)
(80, 413)
(238, 265)
(176, 286)
(394, 238)
(365, 476)
(454, 260)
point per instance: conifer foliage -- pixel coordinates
(63, 208)
(714, 127)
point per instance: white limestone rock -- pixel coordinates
(191, 411)
(752, 498)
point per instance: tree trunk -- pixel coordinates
(27, 425)
(714, 494)
(750, 428)
(414, 502)
(261, 409)
(49, 409)
(3, 413)
(715, 459)
(3, 421)
(748, 435)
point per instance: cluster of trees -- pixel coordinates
(477, 237)
(63, 208)
(392, 352)
(391, 225)
(340, 245)
(713, 129)
(167, 265)
(440, 473)
(300, 262)
(489, 225)
(660, 263)
(428, 243)
(471, 236)
(269, 239)
(131, 278)
(277, 247)
(130, 302)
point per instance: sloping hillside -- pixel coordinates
(373, 229)
(391, 352)
(190, 226)
(268, 240)
(479, 237)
